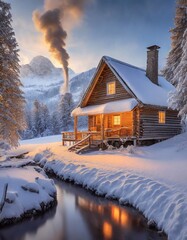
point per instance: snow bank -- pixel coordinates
(110, 107)
(29, 191)
(15, 163)
(159, 203)
(4, 147)
(153, 179)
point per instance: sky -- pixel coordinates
(120, 29)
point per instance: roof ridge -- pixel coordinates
(128, 64)
(107, 58)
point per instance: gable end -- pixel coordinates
(96, 92)
(99, 93)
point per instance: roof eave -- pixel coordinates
(155, 106)
(90, 84)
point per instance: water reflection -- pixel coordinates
(107, 230)
(81, 215)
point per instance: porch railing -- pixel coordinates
(70, 136)
(95, 136)
(120, 132)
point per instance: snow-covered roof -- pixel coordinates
(110, 107)
(140, 85)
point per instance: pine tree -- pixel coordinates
(45, 120)
(41, 120)
(11, 97)
(28, 132)
(178, 98)
(55, 128)
(176, 69)
(65, 108)
(37, 119)
(177, 34)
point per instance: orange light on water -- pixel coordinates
(124, 218)
(107, 230)
(83, 203)
(100, 209)
(115, 214)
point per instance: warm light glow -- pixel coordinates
(100, 209)
(117, 120)
(98, 119)
(124, 218)
(115, 214)
(89, 205)
(111, 88)
(107, 230)
(161, 116)
(83, 203)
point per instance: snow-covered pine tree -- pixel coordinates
(177, 35)
(65, 108)
(28, 132)
(55, 128)
(178, 98)
(45, 120)
(11, 97)
(41, 120)
(37, 119)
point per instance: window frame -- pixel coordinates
(117, 121)
(107, 88)
(161, 117)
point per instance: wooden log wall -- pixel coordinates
(99, 94)
(136, 122)
(148, 125)
(143, 123)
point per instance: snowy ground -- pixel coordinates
(153, 179)
(29, 190)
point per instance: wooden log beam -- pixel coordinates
(63, 139)
(75, 126)
(102, 130)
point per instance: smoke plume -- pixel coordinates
(59, 15)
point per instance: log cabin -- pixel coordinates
(125, 104)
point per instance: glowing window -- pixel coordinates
(117, 120)
(111, 88)
(162, 117)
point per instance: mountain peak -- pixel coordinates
(41, 71)
(41, 65)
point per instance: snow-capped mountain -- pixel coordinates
(42, 80)
(40, 71)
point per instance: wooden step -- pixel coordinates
(82, 149)
(81, 145)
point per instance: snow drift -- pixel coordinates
(29, 190)
(160, 203)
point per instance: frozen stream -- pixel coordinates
(81, 215)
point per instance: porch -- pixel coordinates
(102, 128)
(97, 136)
(111, 121)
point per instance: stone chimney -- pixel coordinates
(152, 64)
